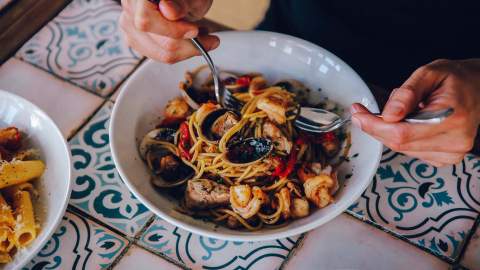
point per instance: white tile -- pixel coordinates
(83, 45)
(117, 93)
(198, 252)
(471, 258)
(431, 207)
(79, 243)
(97, 188)
(68, 105)
(138, 258)
(347, 243)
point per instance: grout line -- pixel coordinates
(163, 256)
(71, 209)
(458, 267)
(294, 250)
(131, 241)
(87, 120)
(120, 256)
(400, 237)
(77, 211)
(145, 227)
(59, 77)
(475, 227)
(139, 244)
(120, 83)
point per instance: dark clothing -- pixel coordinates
(384, 41)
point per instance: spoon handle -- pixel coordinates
(427, 117)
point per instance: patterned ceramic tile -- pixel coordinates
(200, 252)
(347, 243)
(98, 189)
(116, 94)
(83, 45)
(471, 257)
(139, 258)
(432, 207)
(46, 91)
(79, 244)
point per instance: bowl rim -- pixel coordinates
(266, 236)
(45, 235)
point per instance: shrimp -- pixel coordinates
(177, 108)
(275, 107)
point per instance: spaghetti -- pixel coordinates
(252, 191)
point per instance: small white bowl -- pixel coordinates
(55, 185)
(144, 96)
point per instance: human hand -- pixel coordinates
(438, 85)
(161, 32)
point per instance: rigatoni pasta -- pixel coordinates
(17, 172)
(25, 228)
(18, 226)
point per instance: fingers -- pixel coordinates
(173, 10)
(406, 99)
(401, 102)
(446, 142)
(180, 49)
(437, 159)
(420, 141)
(147, 18)
(392, 134)
(142, 43)
(162, 48)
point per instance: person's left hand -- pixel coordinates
(438, 85)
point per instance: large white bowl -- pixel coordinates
(277, 56)
(55, 185)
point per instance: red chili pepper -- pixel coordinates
(184, 143)
(329, 136)
(279, 168)
(244, 81)
(284, 170)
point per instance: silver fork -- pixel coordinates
(320, 121)
(224, 96)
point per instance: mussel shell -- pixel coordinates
(200, 89)
(249, 151)
(154, 136)
(209, 120)
(167, 176)
(194, 97)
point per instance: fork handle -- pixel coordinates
(426, 117)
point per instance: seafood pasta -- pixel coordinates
(244, 169)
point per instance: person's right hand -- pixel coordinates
(162, 32)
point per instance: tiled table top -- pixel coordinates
(411, 216)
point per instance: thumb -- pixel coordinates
(173, 9)
(406, 98)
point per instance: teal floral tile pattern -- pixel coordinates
(199, 252)
(83, 45)
(79, 244)
(431, 207)
(98, 189)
